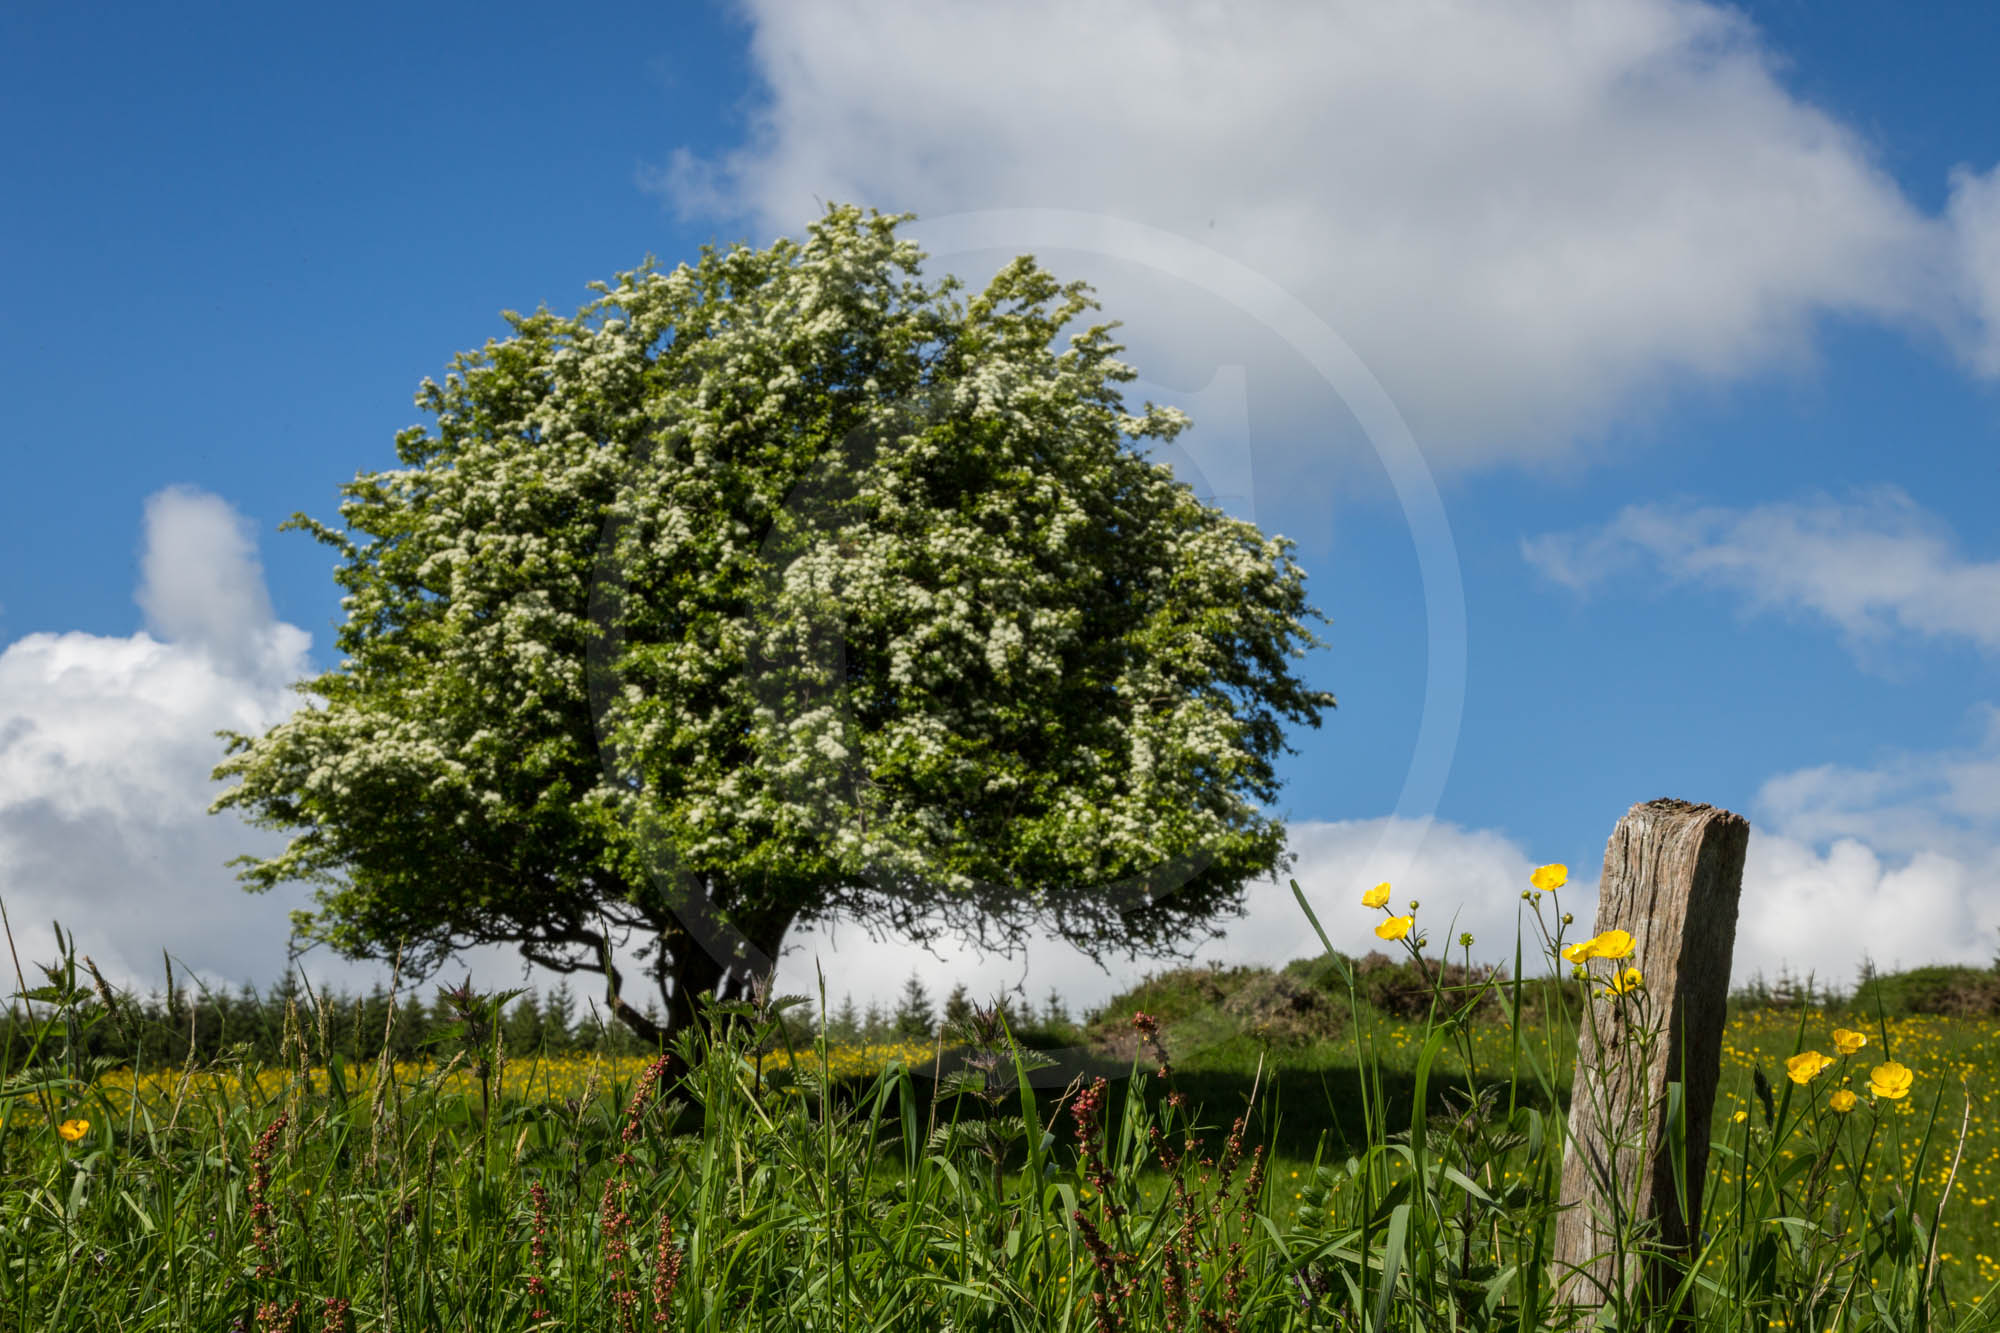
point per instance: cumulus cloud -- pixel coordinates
(1525, 218)
(1873, 566)
(106, 745)
(201, 586)
(1974, 215)
(1899, 862)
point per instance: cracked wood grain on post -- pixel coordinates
(1673, 875)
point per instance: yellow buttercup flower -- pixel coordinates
(1740, 1117)
(1890, 1080)
(1377, 896)
(1624, 983)
(1806, 1066)
(1848, 1042)
(73, 1129)
(1549, 877)
(1611, 944)
(1842, 1101)
(1395, 927)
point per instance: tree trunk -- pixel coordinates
(694, 971)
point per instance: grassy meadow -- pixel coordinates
(1344, 1144)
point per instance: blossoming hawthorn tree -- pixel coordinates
(775, 588)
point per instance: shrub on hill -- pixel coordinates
(1281, 1010)
(1044, 1034)
(1304, 1002)
(1400, 987)
(1176, 997)
(1957, 992)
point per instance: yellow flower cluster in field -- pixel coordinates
(552, 1079)
(1945, 1050)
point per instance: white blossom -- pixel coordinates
(643, 595)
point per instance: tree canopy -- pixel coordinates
(781, 587)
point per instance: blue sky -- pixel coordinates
(1691, 314)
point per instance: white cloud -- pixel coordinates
(1874, 566)
(106, 745)
(1974, 215)
(1900, 862)
(1524, 218)
(202, 588)
(106, 749)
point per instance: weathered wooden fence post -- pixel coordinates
(1672, 876)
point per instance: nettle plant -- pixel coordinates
(987, 1071)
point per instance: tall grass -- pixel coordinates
(773, 1188)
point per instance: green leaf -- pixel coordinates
(1392, 1265)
